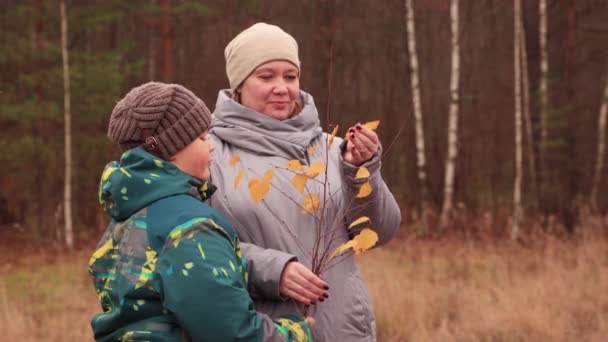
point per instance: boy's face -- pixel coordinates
(195, 159)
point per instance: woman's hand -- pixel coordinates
(362, 145)
(300, 284)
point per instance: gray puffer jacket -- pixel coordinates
(277, 230)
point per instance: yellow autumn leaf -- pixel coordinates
(315, 168)
(358, 221)
(365, 240)
(311, 149)
(234, 159)
(311, 202)
(258, 188)
(299, 182)
(343, 247)
(268, 175)
(362, 172)
(373, 125)
(330, 139)
(364, 190)
(238, 178)
(294, 165)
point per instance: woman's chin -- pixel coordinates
(279, 115)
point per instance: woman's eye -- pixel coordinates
(291, 77)
(266, 77)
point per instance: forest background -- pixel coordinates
(504, 142)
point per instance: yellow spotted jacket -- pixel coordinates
(169, 267)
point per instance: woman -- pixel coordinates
(266, 120)
(169, 267)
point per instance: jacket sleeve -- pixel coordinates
(380, 206)
(201, 281)
(266, 265)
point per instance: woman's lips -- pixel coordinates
(278, 104)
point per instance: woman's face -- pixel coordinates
(272, 89)
(195, 159)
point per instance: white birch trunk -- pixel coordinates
(67, 194)
(518, 120)
(450, 167)
(526, 108)
(415, 82)
(601, 146)
(544, 85)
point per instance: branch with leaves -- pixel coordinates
(323, 253)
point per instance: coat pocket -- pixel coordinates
(361, 314)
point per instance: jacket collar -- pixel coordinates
(262, 135)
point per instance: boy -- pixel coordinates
(169, 268)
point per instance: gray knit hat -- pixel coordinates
(163, 118)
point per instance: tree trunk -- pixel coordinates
(450, 166)
(67, 194)
(526, 111)
(601, 146)
(415, 84)
(518, 120)
(152, 41)
(544, 93)
(167, 42)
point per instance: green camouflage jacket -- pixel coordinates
(169, 268)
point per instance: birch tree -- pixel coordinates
(544, 85)
(518, 119)
(67, 193)
(526, 108)
(601, 146)
(450, 167)
(415, 84)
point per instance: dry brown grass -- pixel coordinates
(47, 299)
(455, 291)
(422, 290)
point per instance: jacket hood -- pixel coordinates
(262, 135)
(139, 179)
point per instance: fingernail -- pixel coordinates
(313, 302)
(321, 300)
(325, 295)
(358, 126)
(352, 135)
(350, 130)
(326, 287)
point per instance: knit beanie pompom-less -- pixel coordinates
(164, 118)
(259, 44)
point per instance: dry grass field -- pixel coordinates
(422, 290)
(443, 291)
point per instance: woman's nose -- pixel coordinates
(280, 88)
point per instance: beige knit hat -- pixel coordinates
(163, 118)
(255, 46)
